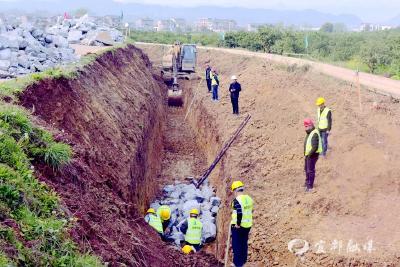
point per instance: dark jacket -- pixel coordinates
(236, 206)
(208, 72)
(314, 143)
(215, 75)
(329, 117)
(183, 226)
(235, 89)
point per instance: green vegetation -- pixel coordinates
(34, 229)
(212, 39)
(374, 52)
(32, 205)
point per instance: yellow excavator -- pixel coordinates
(178, 63)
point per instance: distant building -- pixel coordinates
(224, 25)
(369, 27)
(180, 24)
(145, 24)
(253, 27)
(165, 25)
(216, 25)
(204, 24)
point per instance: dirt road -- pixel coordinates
(82, 50)
(347, 221)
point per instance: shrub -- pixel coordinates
(58, 154)
(17, 118)
(5, 261)
(12, 154)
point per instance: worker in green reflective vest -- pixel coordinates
(164, 212)
(324, 119)
(154, 221)
(312, 149)
(241, 223)
(192, 229)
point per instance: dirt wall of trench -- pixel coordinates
(211, 141)
(113, 115)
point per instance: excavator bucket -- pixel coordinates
(175, 96)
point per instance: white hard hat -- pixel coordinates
(233, 77)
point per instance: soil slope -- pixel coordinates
(113, 115)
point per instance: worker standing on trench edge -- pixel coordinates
(192, 229)
(164, 213)
(214, 84)
(234, 89)
(241, 223)
(324, 118)
(312, 149)
(154, 221)
(208, 78)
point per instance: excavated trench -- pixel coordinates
(128, 144)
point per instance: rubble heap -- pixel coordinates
(182, 198)
(25, 49)
(87, 31)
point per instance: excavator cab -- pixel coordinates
(189, 58)
(179, 63)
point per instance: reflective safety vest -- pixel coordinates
(160, 209)
(193, 233)
(322, 118)
(246, 204)
(155, 222)
(213, 80)
(309, 144)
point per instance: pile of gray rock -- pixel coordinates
(182, 198)
(25, 49)
(87, 31)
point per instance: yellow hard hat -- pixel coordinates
(165, 214)
(194, 211)
(320, 101)
(236, 185)
(187, 249)
(151, 210)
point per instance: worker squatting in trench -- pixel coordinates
(192, 227)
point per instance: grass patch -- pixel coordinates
(31, 204)
(57, 155)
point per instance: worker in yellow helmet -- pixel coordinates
(241, 223)
(164, 212)
(187, 249)
(154, 221)
(324, 119)
(192, 229)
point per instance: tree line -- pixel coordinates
(376, 52)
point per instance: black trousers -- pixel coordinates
(235, 104)
(309, 167)
(240, 238)
(208, 84)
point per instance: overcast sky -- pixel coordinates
(368, 10)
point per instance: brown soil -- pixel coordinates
(357, 186)
(113, 114)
